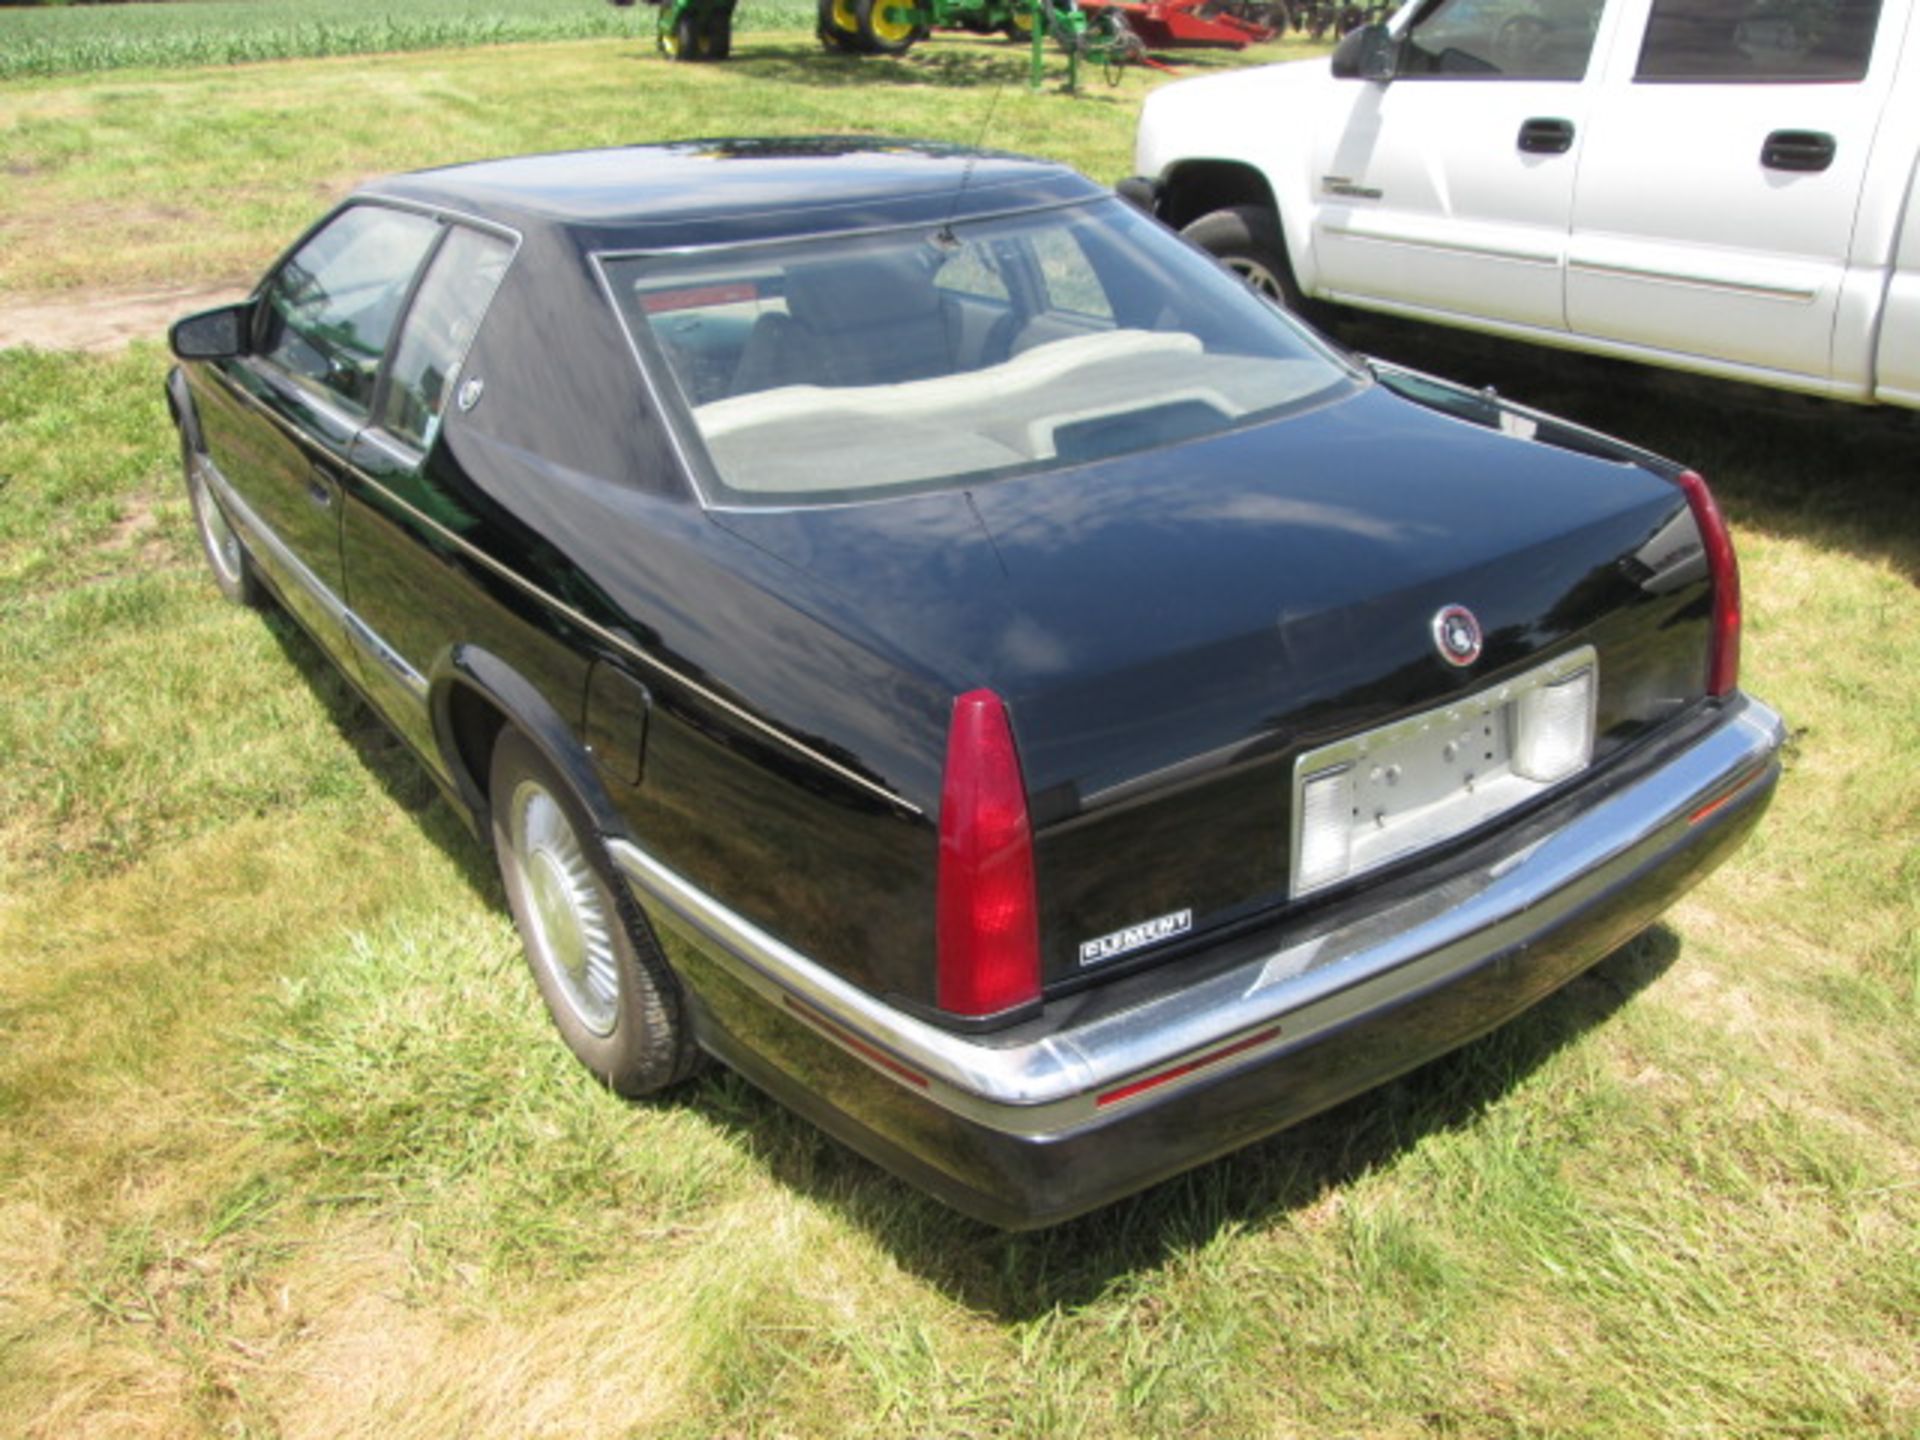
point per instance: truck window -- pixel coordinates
(1758, 41)
(1501, 40)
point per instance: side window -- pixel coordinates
(328, 312)
(971, 272)
(1502, 40)
(439, 326)
(1070, 281)
(1758, 41)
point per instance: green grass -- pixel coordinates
(149, 178)
(286, 1146)
(69, 39)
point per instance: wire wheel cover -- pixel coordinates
(569, 913)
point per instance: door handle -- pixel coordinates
(1544, 136)
(320, 488)
(1802, 151)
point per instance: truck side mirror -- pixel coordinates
(211, 335)
(1367, 53)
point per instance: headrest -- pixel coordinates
(853, 294)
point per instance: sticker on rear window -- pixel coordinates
(1135, 937)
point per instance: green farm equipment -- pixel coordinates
(1096, 32)
(893, 27)
(691, 29)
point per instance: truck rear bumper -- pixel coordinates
(1118, 1087)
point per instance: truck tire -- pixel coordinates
(1247, 240)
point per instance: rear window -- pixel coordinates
(856, 367)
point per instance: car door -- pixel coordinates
(406, 507)
(1449, 188)
(294, 403)
(1721, 183)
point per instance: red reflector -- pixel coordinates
(1187, 1067)
(1723, 655)
(855, 1043)
(1721, 802)
(988, 929)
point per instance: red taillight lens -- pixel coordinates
(1723, 657)
(989, 934)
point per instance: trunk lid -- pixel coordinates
(1170, 630)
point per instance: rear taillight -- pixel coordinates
(989, 937)
(1723, 657)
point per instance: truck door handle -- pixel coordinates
(1805, 151)
(1542, 136)
(319, 488)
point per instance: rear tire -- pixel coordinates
(227, 558)
(1247, 240)
(610, 992)
(837, 26)
(719, 39)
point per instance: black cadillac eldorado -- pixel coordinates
(920, 632)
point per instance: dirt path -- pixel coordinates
(98, 322)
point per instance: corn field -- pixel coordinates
(69, 39)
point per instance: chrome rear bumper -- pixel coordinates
(1549, 898)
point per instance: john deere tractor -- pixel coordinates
(691, 29)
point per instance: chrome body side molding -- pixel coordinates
(1320, 980)
(287, 566)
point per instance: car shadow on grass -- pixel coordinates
(1839, 476)
(400, 773)
(1022, 1277)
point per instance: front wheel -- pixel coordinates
(1247, 240)
(607, 986)
(889, 27)
(679, 36)
(232, 567)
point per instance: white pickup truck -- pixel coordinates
(1725, 186)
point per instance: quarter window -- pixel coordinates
(1758, 41)
(1501, 40)
(327, 313)
(439, 327)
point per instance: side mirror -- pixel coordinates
(212, 334)
(1367, 53)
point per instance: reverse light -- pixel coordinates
(1723, 653)
(1326, 830)
(987, 920)
(1553, 729)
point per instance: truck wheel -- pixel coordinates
(610, 992)
(1247, 240)
(889, 27)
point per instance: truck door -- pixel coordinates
(1449, 189)
(1721, 180)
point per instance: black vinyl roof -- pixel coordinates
(708, 191)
